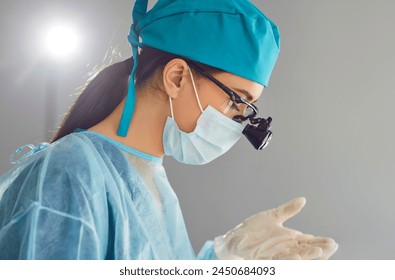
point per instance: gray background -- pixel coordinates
(331, 97)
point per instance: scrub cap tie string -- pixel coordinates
(139, 10)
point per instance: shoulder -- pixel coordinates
(83, 150)
(64, 177)
(75, 159)
(74, 148)
(70, 166)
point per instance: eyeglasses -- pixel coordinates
(250, 110)
(258, 132)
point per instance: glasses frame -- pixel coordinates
(234, 97)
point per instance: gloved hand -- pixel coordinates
(263, 236)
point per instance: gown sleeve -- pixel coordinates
(54, 207)
(207, 252)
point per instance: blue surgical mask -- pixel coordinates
(214, 135)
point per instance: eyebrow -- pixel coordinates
(246, 93)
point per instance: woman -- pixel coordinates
(99, 190)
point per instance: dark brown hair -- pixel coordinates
(109, 87)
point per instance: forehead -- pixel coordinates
(248, 89)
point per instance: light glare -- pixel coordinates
(61, 41)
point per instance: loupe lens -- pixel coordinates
(260, 135)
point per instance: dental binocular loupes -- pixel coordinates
(259, 135)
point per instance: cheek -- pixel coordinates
(213, 96)
(186, 111)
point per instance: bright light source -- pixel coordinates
(61, 41)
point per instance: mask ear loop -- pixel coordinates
(196, 94)
(171, 108)
(195, 90)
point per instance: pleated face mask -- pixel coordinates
(213, 136)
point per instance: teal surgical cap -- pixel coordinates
(232, 35)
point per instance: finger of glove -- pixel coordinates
(328, 248)
(286, 256)
(328, 245)
(288, 209)
(313, 240)
(309, 247)
(276, 241)
(317, 240)
(272, 246)
(311, 253)
(305, 250)
(264, 253)
(295, 250)
(285, 247)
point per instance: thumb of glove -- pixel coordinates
(288, 210)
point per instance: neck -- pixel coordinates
(146, 128)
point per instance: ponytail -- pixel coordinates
(98, 99)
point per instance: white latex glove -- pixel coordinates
(263, 236)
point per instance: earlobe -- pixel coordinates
(174, 75)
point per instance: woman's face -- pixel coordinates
(186, 108)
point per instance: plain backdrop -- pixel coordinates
(331, 97)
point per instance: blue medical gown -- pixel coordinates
(88, 197)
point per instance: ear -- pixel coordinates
(175, 76)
